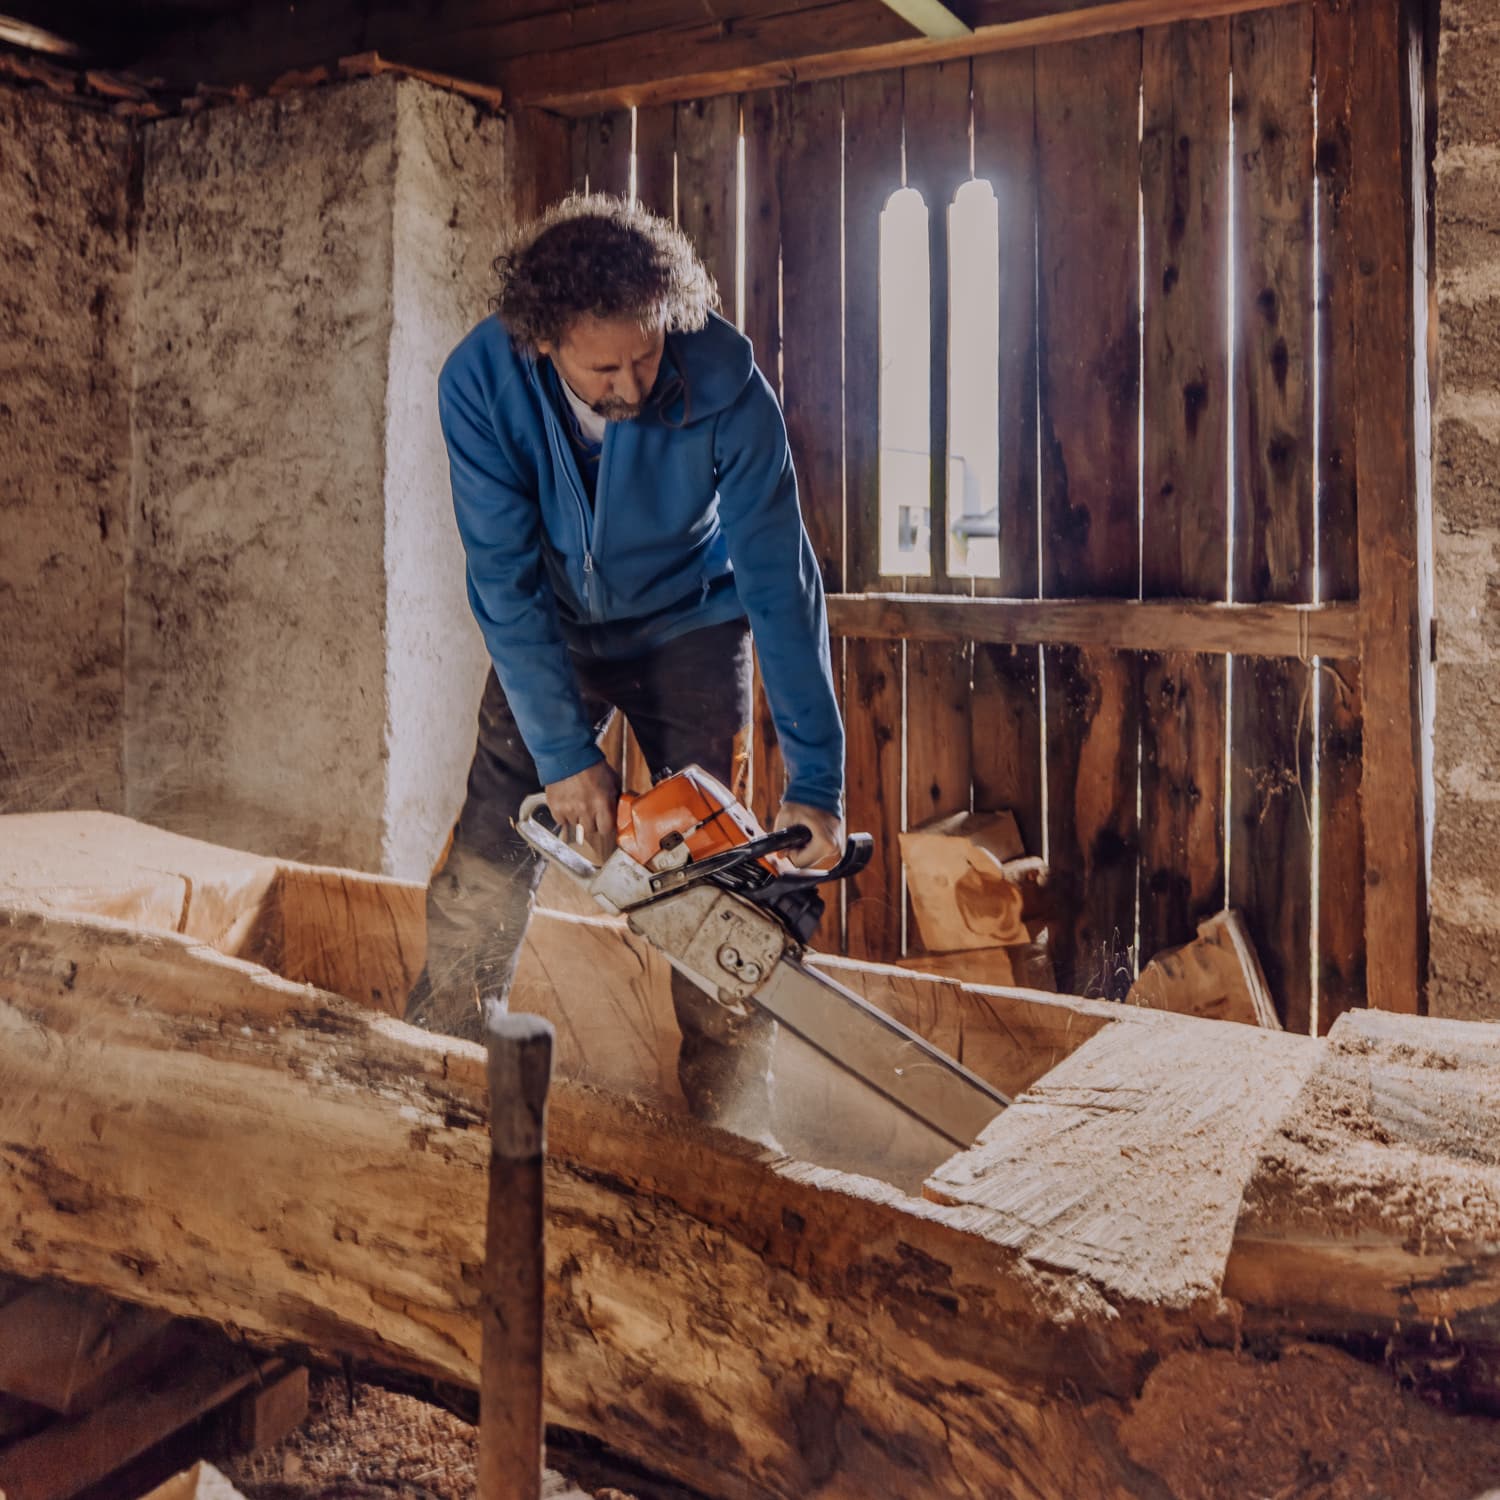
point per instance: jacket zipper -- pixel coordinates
(562, 458)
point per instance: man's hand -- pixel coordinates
(587, 800)
(827, 841)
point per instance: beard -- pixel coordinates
(612, 409)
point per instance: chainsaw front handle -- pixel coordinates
(546, 842)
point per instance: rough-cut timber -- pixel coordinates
(313, 1172)
(1216, 975)
(358, 935)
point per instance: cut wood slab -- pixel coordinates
(964, 888)
(363, 936)
(1217, 976)
(1126, 1163)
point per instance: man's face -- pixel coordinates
(610, 362)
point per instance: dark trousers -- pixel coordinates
(689, 703)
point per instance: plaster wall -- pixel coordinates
(255, 711)
(66, 243)
(1465, 951)
(449, 214)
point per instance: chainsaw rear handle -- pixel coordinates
(547, 843)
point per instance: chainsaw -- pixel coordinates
(695, 874)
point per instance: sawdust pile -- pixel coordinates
(1314, 1424)
(387, 1447)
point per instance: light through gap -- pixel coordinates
(974, 382)
(905, 386)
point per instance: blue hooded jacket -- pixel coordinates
(694, 522)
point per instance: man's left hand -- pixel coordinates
(827, 841)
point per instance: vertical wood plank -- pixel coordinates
(765, 124)
(938, 759)
(939, 765)
(873, 708)
(1270, 867)
(873, 669)
(607, 152)
(1185, 502)
(872, 172)
(540, 148)
(812, 327)
(1005, 730)
(1340, 875)
(764, 119)
(1006, 723)
(655, 158)
(708, 132)
(1087, 99)
(1389, 227)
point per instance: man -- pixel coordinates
(628, 509)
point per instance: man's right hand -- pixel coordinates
(588, 800)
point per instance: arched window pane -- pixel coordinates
(905, 390)
(974, 383)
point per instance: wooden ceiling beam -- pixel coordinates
(805, 46)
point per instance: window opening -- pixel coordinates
(905, 477)
(973, 511)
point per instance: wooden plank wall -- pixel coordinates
(1177, 415)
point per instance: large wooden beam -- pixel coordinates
(1331, 631)
(188, 1131)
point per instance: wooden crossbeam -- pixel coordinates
(711, 60)
(1330, 631)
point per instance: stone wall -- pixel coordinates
(257, 609)
(303, 668)
(1465, 954)
(231, 591)
(66, 232)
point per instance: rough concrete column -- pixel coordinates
(303, 670)
(1465, 955)
(66, 258)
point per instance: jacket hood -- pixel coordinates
(703, 373)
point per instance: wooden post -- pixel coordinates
(1388, 227)
(515, 1268)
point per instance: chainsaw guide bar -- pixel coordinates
(697, 877)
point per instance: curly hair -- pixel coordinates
(594, 253)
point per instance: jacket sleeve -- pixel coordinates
(776, 576)
(509, 592)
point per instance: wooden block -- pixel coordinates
(960, 871)
(1217, 976)
(270, 1412)
(64, 1349)
(75, 1452)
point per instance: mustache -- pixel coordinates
(612, 409)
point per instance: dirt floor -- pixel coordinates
(1313, 1424)
(370, 1444)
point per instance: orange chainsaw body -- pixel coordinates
(694, 806)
